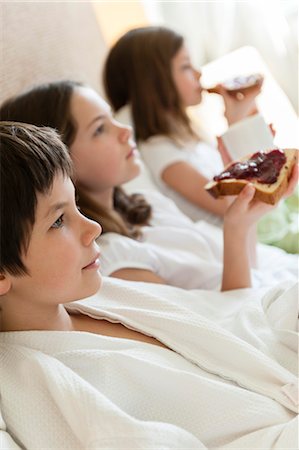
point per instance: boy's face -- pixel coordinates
(62, 256)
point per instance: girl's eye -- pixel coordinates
(99, 130)
(58, 223)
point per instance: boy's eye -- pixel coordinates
(58, 223)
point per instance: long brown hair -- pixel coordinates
(49, 105)
(137, 72)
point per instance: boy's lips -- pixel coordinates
(94, 263)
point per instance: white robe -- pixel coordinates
(230, 381)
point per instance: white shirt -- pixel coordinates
(185, 254)
(159, 152)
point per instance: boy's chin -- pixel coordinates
(92, 290)
(97, 286)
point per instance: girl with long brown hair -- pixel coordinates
(150, 82)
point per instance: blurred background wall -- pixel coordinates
(42, 33)
(214, 28)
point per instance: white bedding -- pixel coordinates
(229, 383)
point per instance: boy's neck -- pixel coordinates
(54, 318)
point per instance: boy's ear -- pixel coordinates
(5, 284)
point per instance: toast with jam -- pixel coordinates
(269, 171)
(239, 86)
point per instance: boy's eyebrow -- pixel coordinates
(95, 120)
(55, 208)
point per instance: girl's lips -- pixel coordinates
(132, 152)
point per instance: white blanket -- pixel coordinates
(229, 383)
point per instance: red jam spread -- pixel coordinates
(262, 167)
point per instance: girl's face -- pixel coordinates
(62, 256)
(103, 152)
(186, 78)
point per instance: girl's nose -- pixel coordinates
(92, 230)
(198, 74)
(125, 133)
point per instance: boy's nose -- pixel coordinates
(92, 231)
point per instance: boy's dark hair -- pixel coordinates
(30, 158)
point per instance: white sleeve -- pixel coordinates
(159, 153)
(121, 252)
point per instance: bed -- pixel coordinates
(235, 384)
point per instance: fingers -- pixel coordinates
(272, 129)
(239, 213)
(220, 88)
(246, 210)
(247, 194)
(245, 95)
(252, 208)
(292, 181)
(244, 198)
(240, 93)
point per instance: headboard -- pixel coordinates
(46, 41)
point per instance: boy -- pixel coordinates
(90, 390)
(50, 256)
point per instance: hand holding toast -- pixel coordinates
(246, 210)
(239, 105)
(293, 181)
(239, 251)
(268, 171)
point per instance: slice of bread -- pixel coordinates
(241, 84)
(268, 193)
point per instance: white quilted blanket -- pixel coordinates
(230, 381)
